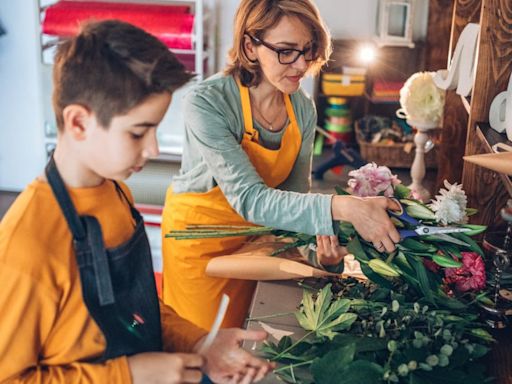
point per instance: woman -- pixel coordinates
(247, 159)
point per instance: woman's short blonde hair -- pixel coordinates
(255, 17)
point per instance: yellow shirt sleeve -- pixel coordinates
(179, 335)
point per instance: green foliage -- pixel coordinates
(392, 337)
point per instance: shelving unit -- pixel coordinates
(203, 46)
(465, 127)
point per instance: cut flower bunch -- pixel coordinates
(415, 321)
(443, 268)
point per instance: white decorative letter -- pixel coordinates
(500, 113)
(461, 71)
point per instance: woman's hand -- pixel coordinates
(328, 250)
(165, 368)
(227, 362)
(369, 217)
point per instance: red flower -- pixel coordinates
(469, 277)
(430, 265)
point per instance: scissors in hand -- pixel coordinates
(416, 228)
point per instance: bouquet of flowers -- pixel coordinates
(414, 321)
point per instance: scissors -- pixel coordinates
(418, 229)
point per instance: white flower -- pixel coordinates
(421, 100)
(450, 205)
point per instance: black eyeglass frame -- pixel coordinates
(280, 51)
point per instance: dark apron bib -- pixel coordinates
(118, 284)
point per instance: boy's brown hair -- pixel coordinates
(110, 67)
(255, 17)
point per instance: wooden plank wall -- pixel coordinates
(485, 188)
(453, 139)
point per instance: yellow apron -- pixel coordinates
(186, 288)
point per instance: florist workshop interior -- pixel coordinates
(238, 191)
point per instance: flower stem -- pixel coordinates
(289, 366)
(270, 316)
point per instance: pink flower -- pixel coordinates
(372, 180)
(469, 277)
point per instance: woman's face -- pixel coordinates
(290, 32)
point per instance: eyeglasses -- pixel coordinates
(289, 55)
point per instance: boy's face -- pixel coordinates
(128, 143)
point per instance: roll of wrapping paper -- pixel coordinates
(499, 162)
(254, 262)
(173, 25)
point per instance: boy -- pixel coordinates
(78, 300)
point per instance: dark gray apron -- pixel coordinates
(118, 285)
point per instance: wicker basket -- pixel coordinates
(393, 155)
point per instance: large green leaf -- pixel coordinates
(330, 367)
(323, 317)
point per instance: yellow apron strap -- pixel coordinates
(251, 133)
(289, 110)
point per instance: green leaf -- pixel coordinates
(423, 280)
(472, 243)
(474, 229)
(355, 248)
(341, 191)
(444, 237)
(323, 317)
(471, 211)
(420, 212)
(332, 364)
(379, 266)
(415, 245)
(347, 229)
(376, 278)
(358, 372)
(401, 191)
(445, 261)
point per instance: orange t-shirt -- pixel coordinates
(46, 332)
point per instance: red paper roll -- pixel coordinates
(173, 25)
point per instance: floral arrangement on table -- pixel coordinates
(416, 319)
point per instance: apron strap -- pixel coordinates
(249, 132)
(289, 109)
(99, 261)
(64, 200)
(135, 213)
(93, 233)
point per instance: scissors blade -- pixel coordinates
(424, 230)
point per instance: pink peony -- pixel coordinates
(469, 277)
(372, 180)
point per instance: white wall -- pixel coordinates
(22, 110)
(21, 117)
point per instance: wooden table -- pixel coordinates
(273, 297)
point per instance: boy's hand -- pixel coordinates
(165, 368)
(227, 362)
(329, 251)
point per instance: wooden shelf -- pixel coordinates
(490, 137)
(466, 102)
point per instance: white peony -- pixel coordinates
(450, 205)
(421, 100)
